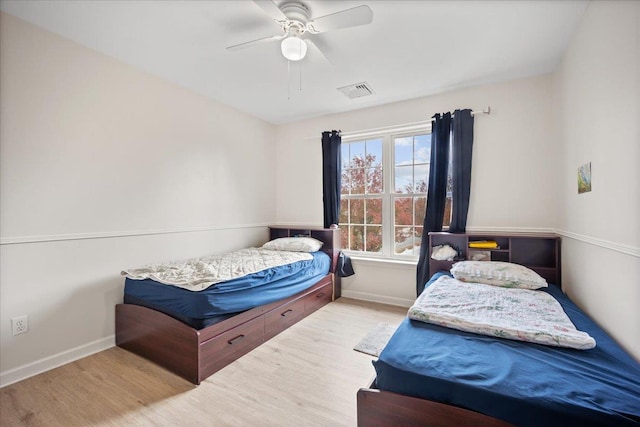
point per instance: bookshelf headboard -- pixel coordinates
(537, 251)
(328, 236)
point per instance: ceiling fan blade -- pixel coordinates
(316, 48)
(359, 15)
(271, 9)
(255, 42)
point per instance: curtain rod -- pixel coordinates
(402, 127)
(485, 111)
(474, 113)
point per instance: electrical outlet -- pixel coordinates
(20, 324)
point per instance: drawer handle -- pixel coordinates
(286, 313)
(320, 295)
(236, 339)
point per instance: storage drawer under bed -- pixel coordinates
(284, 316)
(318, 298)
(218, 352)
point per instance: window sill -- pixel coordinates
(383, 262)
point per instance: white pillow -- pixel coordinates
(497, 273)
(294, 244)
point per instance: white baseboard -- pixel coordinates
(39, 366)
(383, 299)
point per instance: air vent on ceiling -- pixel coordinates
(357, 90)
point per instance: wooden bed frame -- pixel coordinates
(382, 408)
(196, 354)
(377, 408)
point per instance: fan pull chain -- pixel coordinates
(288, 80)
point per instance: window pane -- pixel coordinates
(447, 212)
(344, 155)
(403, 211)
(344, 236)
(374, 152)
(356, 209)
(357, 181)
(422, 148)
(403, 151)
(374, 211)
(404, 179)
(357, 238)
(344, 211)
(345, 182)
(420, 204)
(356, 154)
(418, 240)
(404, 241)
(374, 239)
(374, 180)
(421, 178)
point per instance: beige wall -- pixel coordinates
(597, 104)
(104, 167)
(514, 173)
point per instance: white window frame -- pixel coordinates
(387, 136)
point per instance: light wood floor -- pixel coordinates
(308, 375)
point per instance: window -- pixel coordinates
(384, 193)
(361, 200)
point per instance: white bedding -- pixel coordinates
(518, 314)
(197, 274)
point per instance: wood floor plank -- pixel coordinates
(307, 375)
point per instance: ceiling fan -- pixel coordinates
(298, 28)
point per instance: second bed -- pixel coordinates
(194, 334)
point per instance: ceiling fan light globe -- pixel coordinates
(293, 48)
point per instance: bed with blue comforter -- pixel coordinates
(521, 383)
(223, 300)
(195, 316)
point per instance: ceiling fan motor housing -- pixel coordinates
(296, 12)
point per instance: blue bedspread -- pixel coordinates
(522, 383)
(234, 296)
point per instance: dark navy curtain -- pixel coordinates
(461, 169)
(331, 176)
(331, 186)
(436, 191)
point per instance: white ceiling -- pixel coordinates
(412, 48)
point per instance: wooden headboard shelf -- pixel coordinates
(537, 251)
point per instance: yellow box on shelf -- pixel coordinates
(484, 244)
